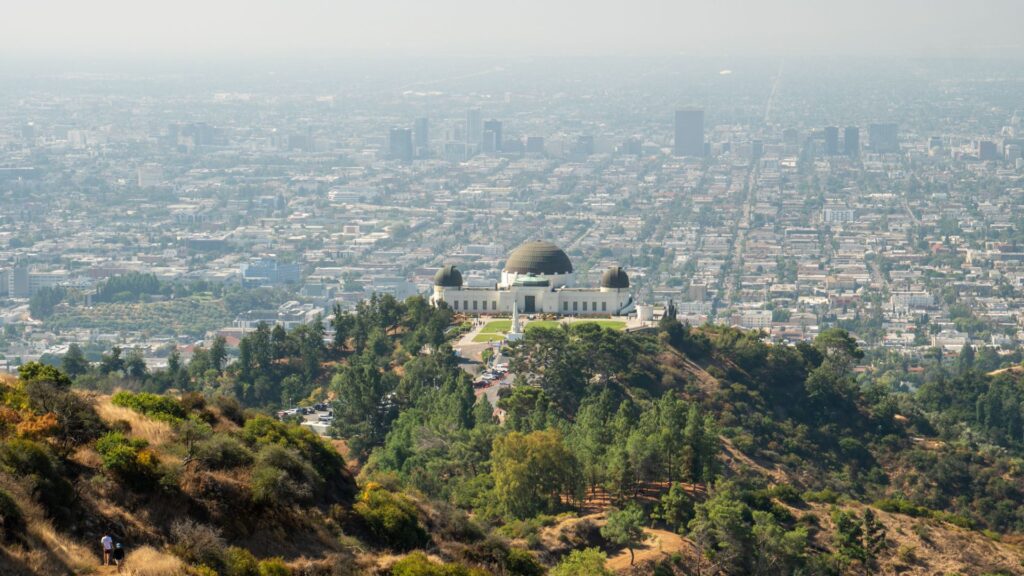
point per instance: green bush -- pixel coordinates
(391, 518)
(153, 405)
(36, 464)
(129, 460)
(240, 562)
(222, 451)
(281, 476)
(901, 506)
(273, 567)
(417, 564)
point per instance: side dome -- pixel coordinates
(538, 258)
(448, 277)
(614, 277)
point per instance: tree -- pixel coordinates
(849, 535)
(675, 508)
(625, 528)
(35, 372)
(875, 540)
(218, 353)
(777, 551)
(720, 531)
(135, 366)
(586, 562)
(112, 363)
(364, 408)
(74, 363)
(532, 472)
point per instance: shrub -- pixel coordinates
(129, 459)
(197, 543)
(588, 562)
(222, 451)
(155, 406)
(391, 518)
(35, 463)
(230, 408)
(77, 421)
(12, 522)
(520, 562)
(280, 476)
(240, 562)
(273, 567)
(901, 506)
(417, 564)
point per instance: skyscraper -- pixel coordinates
(421, 137)
(400, 144)
(884, 138)
(689, 133)
(851, 141)
(474, 127)
(492, 136)
(831, 140)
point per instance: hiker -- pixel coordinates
(118, 556)
(108, 545)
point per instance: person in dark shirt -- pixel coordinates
(118, 556)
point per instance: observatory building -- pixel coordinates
(537, 279)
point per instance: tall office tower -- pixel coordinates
(831, 140)
(421, 137)
(632, 147)
(851, 141)
(493, 126)
(689, 133)
(987, 150)
(790, 137)
(535, 145)
(400, 144)
(756, 148)
(884, 138)
(474, 126)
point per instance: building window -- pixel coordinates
(455, 304)
(584, 305)
(494, 304)
(604, 306)
(574, 304)
(474, 304)
(565, 306)
(594, 307)
(465, 305)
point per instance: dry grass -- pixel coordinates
(148, 561)
(155, 432)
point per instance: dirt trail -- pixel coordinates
(660, 544)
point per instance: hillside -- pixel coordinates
(688, 451)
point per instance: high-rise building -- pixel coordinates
(831, 140)
(492, 136)
(400, 144)
(689, 133)
(987, 150)
(884, 138)
(421, 136)
(632, 147)
(790, 137)
(535, 145)
(474, 126)
(851, 141)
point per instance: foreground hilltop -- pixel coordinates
(678, 451)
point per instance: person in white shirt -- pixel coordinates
(108, 545)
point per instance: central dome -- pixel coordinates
(538, 258)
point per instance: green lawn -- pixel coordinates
(488, 337)
(610, 324)
(496, 327)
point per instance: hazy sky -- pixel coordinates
(133, 29)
